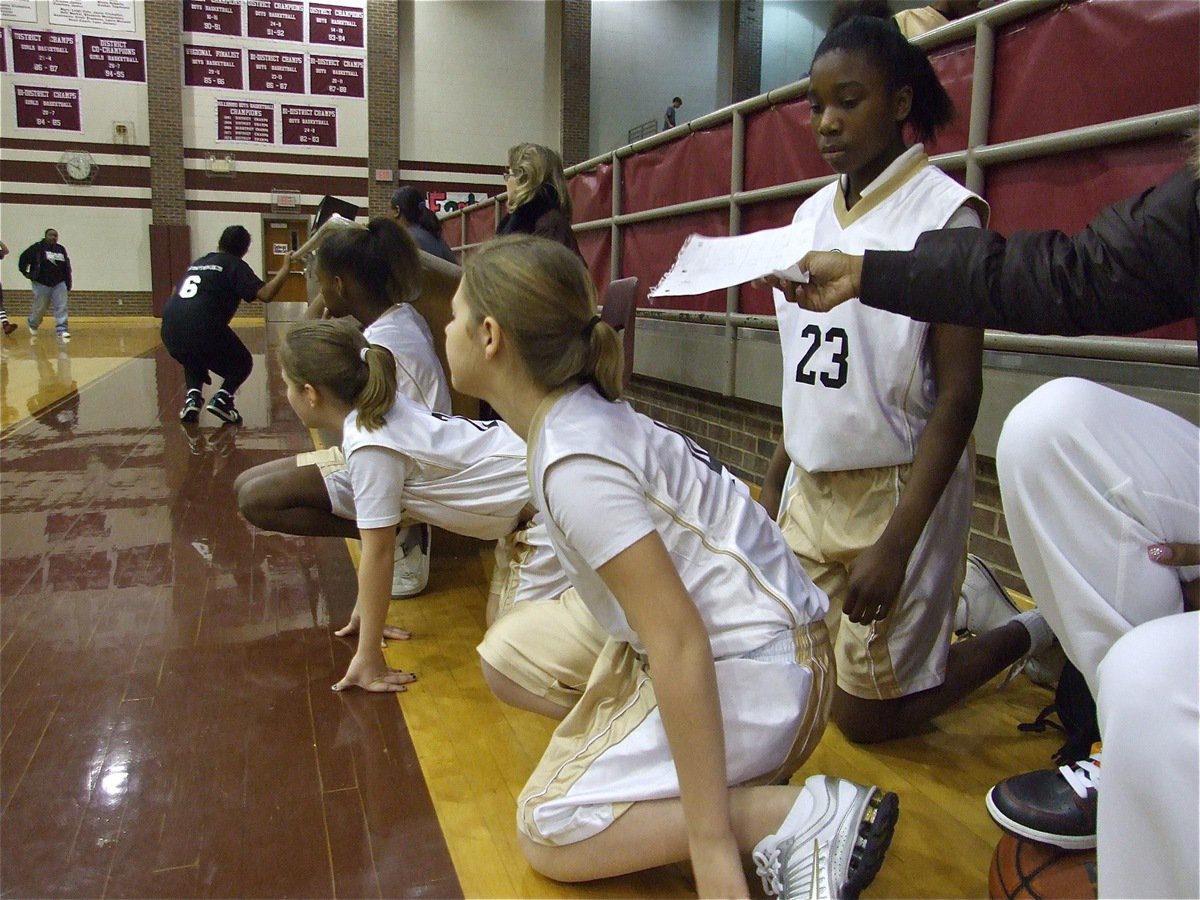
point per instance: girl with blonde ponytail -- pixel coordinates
(716, 673)
(369, 273)
(401, 465)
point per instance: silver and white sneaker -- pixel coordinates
(410, 570)
(983, 603)
(832, 842)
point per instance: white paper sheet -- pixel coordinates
(711, 263)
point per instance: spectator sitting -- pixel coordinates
(409, 206)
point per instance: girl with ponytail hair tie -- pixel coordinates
(404, 466)
(715, 677)
(369, 274)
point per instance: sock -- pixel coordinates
(1040, 634)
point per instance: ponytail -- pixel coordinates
(381, 260)
(379, 393)
(605, 366)
(543, 298)
(333, 355)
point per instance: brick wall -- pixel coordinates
(743, 435)
(83, 303)
(576, 80)
(383, 95)
(747, 49)
(164, 83)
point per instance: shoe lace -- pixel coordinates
(779, 877)
(1083, 776)
(767, 868)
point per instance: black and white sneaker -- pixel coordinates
(832, 842)
(221, 406)
(191, 406)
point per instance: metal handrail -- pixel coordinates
(975, 159)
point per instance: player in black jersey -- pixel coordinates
(195, 327)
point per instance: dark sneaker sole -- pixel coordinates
(1062, 841)
(875, 832)
(232, 416)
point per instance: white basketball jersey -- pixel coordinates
(464, 476)
(745, 582)
(857, 383)
(419, 373)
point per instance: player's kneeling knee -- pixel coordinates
(557, 863)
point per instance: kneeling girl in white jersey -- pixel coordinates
(713, 683)
(878, 408)
(405, 464)
(371, 273)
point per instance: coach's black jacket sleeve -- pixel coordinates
(1136, 266)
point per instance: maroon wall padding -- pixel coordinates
(1082, 63)
(954, 65)
(693, 168)
(591, 194)
(1066, 191)
(596, 247)
(649, 248)
(1094, 61)
(780, 147)
(481, 224)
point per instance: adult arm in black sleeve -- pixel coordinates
(1134, 267)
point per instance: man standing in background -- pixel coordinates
(669, 115)
(48, 267)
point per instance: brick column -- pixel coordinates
(164, 83)
(383, 97)
(747, 50)
(576, 55)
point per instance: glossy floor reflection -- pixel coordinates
(166, 723)
(166, 718)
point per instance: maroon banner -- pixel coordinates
(280, 73)
(337, 76)
(213, 16)
(39, 107)
(3, 52)
(44, 53)
(213, 67)
(279, 20)
(242, 120)
(115, 59)
(310, 126)
(335, 25)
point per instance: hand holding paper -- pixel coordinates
(711, 263)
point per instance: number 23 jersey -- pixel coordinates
(857, 383)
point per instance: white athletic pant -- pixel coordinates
(1090, 478)
(1149, 823)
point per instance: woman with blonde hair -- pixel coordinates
(538, 201)
(714, 682)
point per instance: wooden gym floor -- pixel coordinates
(166, 723)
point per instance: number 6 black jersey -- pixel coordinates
(213, 286)
(857, 382)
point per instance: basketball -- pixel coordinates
(1027, 869)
